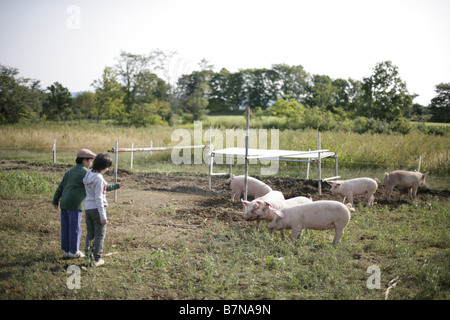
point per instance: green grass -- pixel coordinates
(22, 183)
(221, 261)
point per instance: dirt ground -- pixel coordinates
(194, 204)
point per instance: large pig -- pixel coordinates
(353, 187)
(254, 205)
(255, 188)
(403, 179)
(317, 215)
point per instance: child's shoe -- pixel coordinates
(75, 255)
(95, 263)
(99, 262)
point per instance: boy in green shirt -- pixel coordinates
(71, 194)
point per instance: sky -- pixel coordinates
(71, 42)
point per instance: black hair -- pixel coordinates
(101, 162)
(79, 160)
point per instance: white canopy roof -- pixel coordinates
(272, 154)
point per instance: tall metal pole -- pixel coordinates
(116, 159)
(210, 166)
(319, 165)
(246, 154)
(54, 150)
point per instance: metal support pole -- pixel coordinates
(335, 164)
(320, 174)
(210, 167)
(116, 159)
(320, 165)
(246, 155)
(54, 150)
(131, 160)
(307, 166)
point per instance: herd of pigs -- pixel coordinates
(300, 212)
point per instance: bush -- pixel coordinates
(401, 125)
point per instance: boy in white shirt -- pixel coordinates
(95, 207)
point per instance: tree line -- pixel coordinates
(140, 90)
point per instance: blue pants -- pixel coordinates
(70, 230)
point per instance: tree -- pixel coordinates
(109, 96)
(84, 105)
(287, 107)
(59, 104)
(386, 95)
(218, 98)
(291, 80)
(131, 68)
(195, 90)
(323, 93)
(440, 104)
(260, 87)
(171, 70)
(20, 98)
(155, 113)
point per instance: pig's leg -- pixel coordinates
(388, 192)
(414, 190)
(338, 233)
(258, 222)
(350, 198)
(296, 232)
(410, 192)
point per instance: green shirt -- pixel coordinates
(71, 189)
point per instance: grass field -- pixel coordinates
(162, 254)
(158, 254)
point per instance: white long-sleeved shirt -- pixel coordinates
(96, 187)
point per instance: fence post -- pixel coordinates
(319, 165)
(210, 166)
(116, 159)
(131, 160)
(54, 150)
(420, 162)
(307, 165)
(335, 164)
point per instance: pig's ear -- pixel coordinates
(268, 205)
(258, 204)
(339, 184)
(245, 202)
(279, 213)
(330, 183)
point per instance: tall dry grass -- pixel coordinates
(355, 150)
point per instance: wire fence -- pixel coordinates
(138, 160)
(160, 161)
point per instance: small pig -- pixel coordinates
(253, 206)
(403, 179)
(317, 215)
(261, 210)
(255, 188)
(353, 187)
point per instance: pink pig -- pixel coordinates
(255, 188)
(349, 188)
(403, 179)
(259, 208)
(317, 215)
(253, 206)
